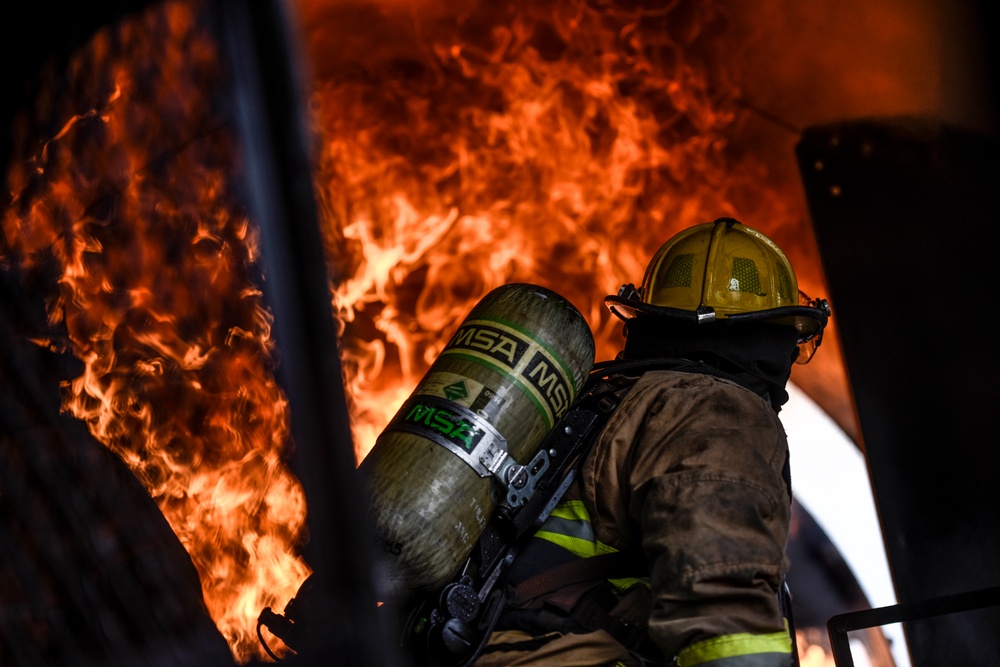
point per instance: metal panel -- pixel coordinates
(270, 97)
(906, 225)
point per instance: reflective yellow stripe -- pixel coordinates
(571, 509)
(574, 545)
(627, 583)
(728, 646)
(571, 538)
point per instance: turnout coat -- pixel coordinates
(688, 480)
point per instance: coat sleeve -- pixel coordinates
(699, 461)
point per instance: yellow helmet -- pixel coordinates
(726, 272)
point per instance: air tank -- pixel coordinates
(508, 373)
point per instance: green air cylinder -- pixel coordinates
(510, 371)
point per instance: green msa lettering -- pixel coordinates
(499, 345)
(549, 382)
(532, 366)
(456, 429)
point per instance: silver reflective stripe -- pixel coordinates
(569, 527)
(578, 528)
(753, 660)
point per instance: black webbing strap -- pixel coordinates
(614, 565)
(593, 612)
(580, 592)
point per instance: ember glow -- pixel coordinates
(458, 147)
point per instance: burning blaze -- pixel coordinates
(458, 148)
(465, 146)
(461, 147)
(130, 206)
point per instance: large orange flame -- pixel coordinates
(561, 143)
(158, 288)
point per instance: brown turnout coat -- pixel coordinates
(688, 470)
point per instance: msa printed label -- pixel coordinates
(464, 391)
(533, 367)
(456, 428)
(450, 424)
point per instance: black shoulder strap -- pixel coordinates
(636, 367)
(602, 566)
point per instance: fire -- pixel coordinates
(555, 144)
(458, 148)
(158, 286)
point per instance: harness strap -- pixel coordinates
(600, 567)
(593, 611)
(581, 608)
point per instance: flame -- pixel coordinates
(158, 288)
(555, 143)
(501, 149)
(869, 648)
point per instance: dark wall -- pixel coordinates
(906, 222)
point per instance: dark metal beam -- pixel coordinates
(838, 626)
(905, 220)
(269, 99)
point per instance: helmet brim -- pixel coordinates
(807, 320)
(626, 309)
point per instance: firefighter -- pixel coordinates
(669, 548)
